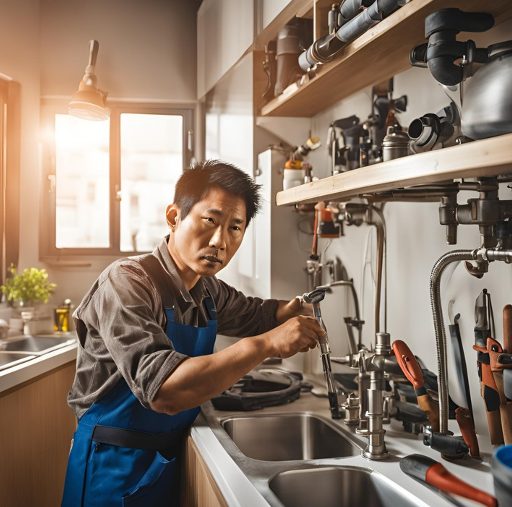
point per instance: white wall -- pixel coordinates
(147, 51)
(415, 242)
(225, 30)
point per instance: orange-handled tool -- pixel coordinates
(495, 350)
(412, 371)
(434, 473)
(507, 328)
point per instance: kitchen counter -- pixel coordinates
(35, 365)
(243, 489)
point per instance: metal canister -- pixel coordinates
(395, 144)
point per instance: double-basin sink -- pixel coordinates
(22, 348)
(296, 459)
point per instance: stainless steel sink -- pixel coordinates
(344, 486)
(35, 344)
(8, 359)
(283, 437)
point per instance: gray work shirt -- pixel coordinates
(120, 327)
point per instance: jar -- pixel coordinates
(395, 144)
(293, 178)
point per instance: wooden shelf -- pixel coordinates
(488, 157)
(375, 56)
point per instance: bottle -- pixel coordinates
(293, 174)
(62, 317)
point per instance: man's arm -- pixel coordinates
(198, 379)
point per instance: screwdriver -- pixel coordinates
(435, 474)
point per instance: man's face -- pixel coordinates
(203, 242)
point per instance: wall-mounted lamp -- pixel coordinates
(89, 102)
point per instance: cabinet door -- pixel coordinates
(200, 488)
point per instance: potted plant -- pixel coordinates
(27, 288)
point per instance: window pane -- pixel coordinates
(82, 182)
(151, 163)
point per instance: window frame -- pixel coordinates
(49, 108)
(10, 150)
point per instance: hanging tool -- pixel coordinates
(414, 375)
(488, 388)
(435, 474)
(314, 297)
(448, 445)
(460, 361)
(466, 423)
(494, 350)
(463, 414)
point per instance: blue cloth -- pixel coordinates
(103, 475)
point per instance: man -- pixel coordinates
(147, 329)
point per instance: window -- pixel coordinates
(9, 174)
(109, 182)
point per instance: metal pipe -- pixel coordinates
(437, 314)
(481, 255)
(324, 49)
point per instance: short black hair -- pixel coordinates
(197, 181)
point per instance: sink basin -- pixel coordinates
(338, 487)
(286, 437)
(12, 358)
(35, 344)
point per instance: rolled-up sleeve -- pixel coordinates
(124, 315)
(239, 315)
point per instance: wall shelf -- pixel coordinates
(487, 157)
(375, 56)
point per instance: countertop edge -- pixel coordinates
(23, 372)
(231, 480)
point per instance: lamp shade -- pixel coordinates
(88, 102)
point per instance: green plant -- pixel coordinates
(29, 286)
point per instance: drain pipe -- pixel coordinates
(325, 49)
(482, 255)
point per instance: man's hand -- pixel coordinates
(298, 334)
(293, 308)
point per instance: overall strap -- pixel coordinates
(210, 306)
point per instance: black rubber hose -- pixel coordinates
(325, 48)
(350, 8)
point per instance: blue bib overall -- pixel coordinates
(104, 475)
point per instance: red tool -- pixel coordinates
(434, 473)
(467, 428)
(488, 388)
(495, 350)
(507, 328)
(414, 375)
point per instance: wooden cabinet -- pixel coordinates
(200, 488)
(36, 426)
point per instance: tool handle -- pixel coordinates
(407, 362)
(505, 408)
(467, 429)
(494, 425)
(438, 476)
(507, 328)
(431, 408)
